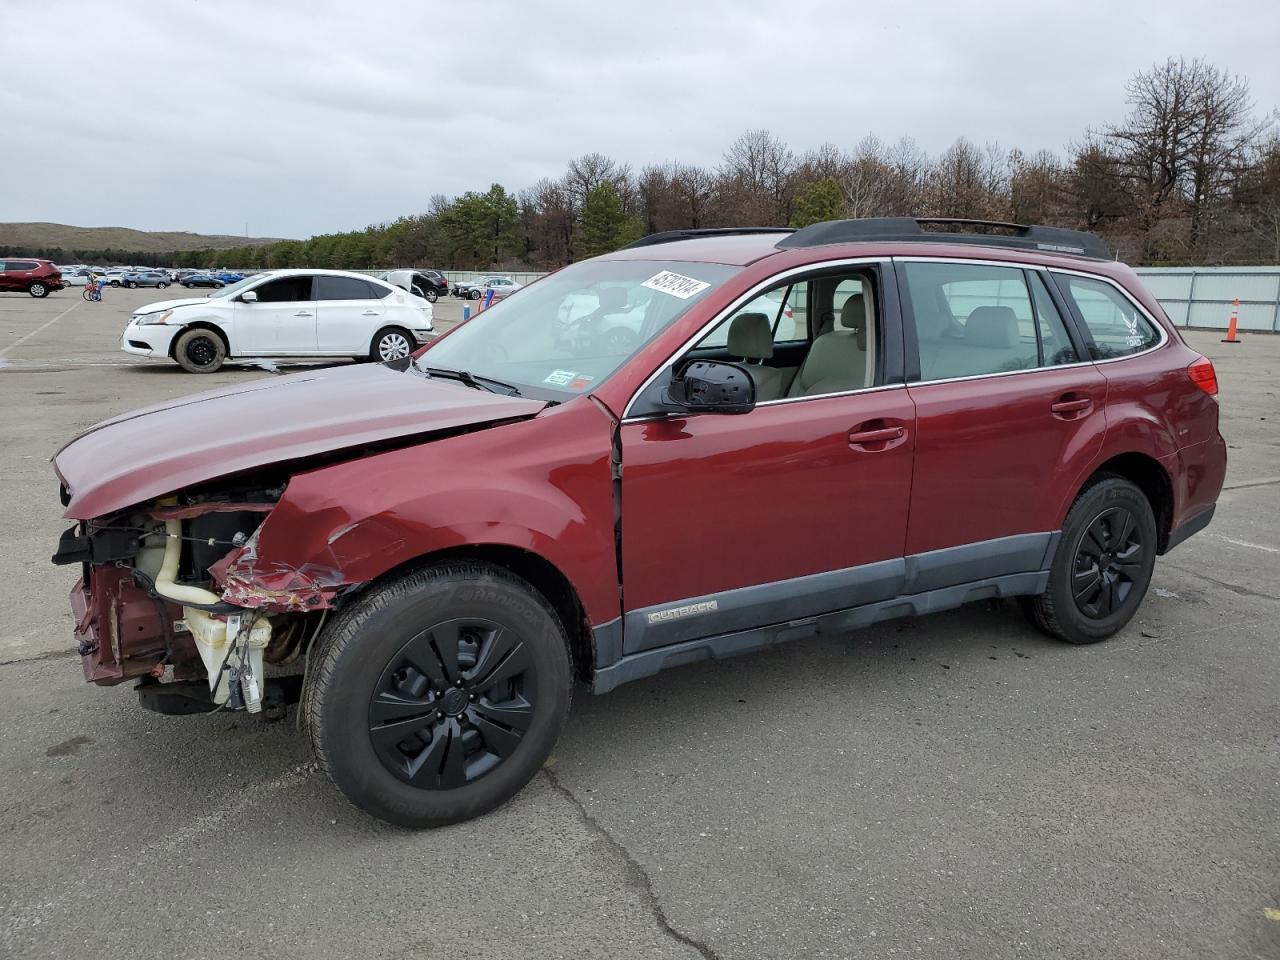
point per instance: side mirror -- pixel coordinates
(249, 296)
(712, 386)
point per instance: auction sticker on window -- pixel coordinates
(561, 378)
(676, 285)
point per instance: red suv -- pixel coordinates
(810, 431)
(27, 275)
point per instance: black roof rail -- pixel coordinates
(986, 233)
(671, 236)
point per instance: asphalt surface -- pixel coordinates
(951, 786)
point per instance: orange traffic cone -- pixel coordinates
(1231, 325)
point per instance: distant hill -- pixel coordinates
(49, 235)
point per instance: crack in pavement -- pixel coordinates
(635, 872)
(1234, 588)
(1245, 484)
(46, 655)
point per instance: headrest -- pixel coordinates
(750, 337)
(992, 327)
(853, 315)
(612, 298)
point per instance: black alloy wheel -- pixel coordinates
(453, 703)
(1108, 563)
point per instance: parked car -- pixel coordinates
(29, 275)
(229, 276)
(475, 289)
(428, 284)
(76, 277)
(294, 313)
(201, 280)
(145, 278)
(115, 276)
(449, 544)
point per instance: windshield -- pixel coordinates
(568, 332)
(231, 289)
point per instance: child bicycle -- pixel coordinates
(92, 290)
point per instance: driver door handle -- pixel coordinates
(303, 313)
(876, 436)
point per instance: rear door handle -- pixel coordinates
(370, 313)
(303, 313)
(1071, 406)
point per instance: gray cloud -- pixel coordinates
(305, 117)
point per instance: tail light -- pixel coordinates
(1203, 376)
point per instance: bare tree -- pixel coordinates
(756, 179)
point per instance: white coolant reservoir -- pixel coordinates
(215, 637)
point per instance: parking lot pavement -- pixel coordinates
(951, 786)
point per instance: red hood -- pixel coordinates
(168, 447)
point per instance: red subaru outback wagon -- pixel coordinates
(703, 444)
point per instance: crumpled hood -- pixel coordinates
(170, 446)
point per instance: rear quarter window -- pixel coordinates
(1113, 323)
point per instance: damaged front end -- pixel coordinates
(170, 594)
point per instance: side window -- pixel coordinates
(1055, 345)
(842, 355)
(342, 288)
(1115, 326)
(784, 308)
(971, 319)
(284, 290)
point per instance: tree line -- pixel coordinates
(1190, 176)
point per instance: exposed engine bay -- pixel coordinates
(168, 595)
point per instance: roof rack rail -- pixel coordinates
(987, 233)
(670, 236)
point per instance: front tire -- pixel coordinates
(1103, 564)
(199, 351)
(438, 696)
(390, 343)
(161, 285)
(473, 294)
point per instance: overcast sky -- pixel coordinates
(302, 116)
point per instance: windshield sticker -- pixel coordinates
(675, 285)
(580, 382)
(561, 378)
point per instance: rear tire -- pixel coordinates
(436, 697)
(1102, 567)
(199, 351)
(432, 296)
(161, 285)
(38, 289)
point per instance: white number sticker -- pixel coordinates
(675, 285)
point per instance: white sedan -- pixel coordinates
(475, 289)
(283, 313)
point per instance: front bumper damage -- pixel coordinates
(189, 647)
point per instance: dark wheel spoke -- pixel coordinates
(497, 738)
(1095, 539)
(444, 642)
(388, 708)
(1122, 530)
(424, 769)
(498, 646)
(1108, 598)
(517, 713)
(1089, 587)
(387, 737)
(453, 772)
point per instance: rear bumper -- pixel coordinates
(1190, 527)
